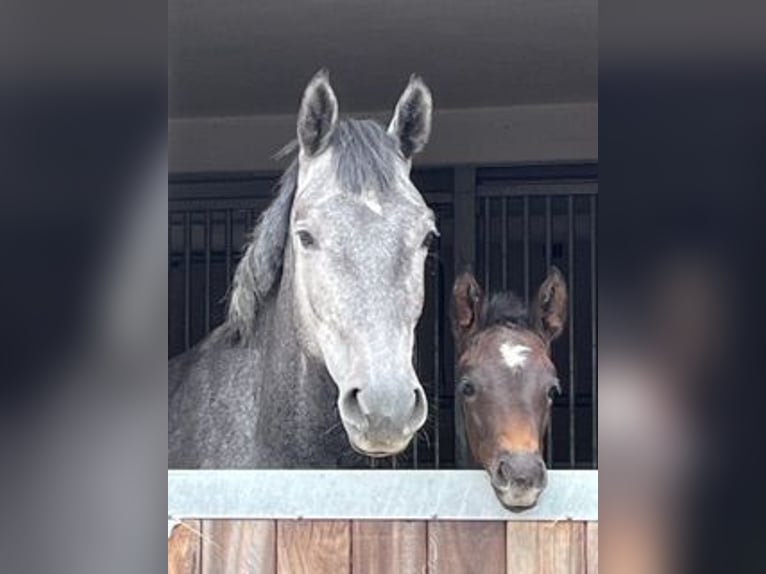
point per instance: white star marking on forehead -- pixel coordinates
(371, 201)
(514, 355)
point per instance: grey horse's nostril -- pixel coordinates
(351, 408)
(418, 401)
(419, 411)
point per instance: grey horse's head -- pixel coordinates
(355, 244)
(359, 233)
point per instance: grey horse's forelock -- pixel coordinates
(364, 157)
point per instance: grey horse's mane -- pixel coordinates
(364, 157)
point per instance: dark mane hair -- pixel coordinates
(505, 309)
(364, 157)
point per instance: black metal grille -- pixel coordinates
(525, 225)
(509, 224)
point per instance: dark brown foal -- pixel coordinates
(507, 381)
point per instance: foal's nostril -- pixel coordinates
(519, 471)
(521, 481)
(504, 472)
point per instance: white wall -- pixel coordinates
(513, 135)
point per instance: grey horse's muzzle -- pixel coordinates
(381, 419)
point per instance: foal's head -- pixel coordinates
(506, 381)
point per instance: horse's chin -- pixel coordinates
(518, 501)
(378, 449)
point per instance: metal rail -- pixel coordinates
(370, 495)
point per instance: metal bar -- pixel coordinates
(370, 494)
(223, 195)
(526, 249)
(594, 333)
(465, 254)
(215, 204)
(187, 280)
(571, 289)
(437, 358)
(436, 197)
(221, 176)
(542, 188)
(416, 439)
(208, 233)
(250, 200)
(548, 232)
(228, 246)
(250, 185)
(487, 242)
(171, 219)
(548, 262)
(504, 242)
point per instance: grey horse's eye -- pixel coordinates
(554, 391)
(307, 240)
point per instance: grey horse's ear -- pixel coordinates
(411, 124)
(318, 115)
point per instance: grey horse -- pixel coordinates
(323, 307)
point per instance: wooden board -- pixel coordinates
(466, 547)
(523, 547)
(184, 548)
(371, 547)
(313, 547)
(591, 547)
(382, 547)
(546, 547)
(233, 546)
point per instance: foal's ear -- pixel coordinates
(411, 124)
(550, 312)
(318, 115)
(467, 306)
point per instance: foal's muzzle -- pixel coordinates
(518, 478)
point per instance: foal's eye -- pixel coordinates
(553, 392)
(467, 389)
(306, 239)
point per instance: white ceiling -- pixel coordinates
(250, 57)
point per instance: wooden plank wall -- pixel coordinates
(377, 547)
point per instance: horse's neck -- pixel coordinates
(298, 419)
